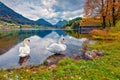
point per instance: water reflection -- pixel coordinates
(40, 40)
(10, 38)
(24, 60)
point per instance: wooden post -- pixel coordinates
(79, 28)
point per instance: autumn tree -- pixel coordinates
(107, 10)
(115, 11)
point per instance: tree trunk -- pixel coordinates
(104, 21)
(113, 13)
(103, 15)
(109, 23)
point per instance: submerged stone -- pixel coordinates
(54, 59)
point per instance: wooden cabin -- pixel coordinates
(87, 26)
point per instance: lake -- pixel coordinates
(11, 40)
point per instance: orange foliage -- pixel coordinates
(98, 33)
(95, 8)
(89, 22)
(104, 34)
(107, 9)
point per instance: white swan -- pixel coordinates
(25, 50)
(57, 47)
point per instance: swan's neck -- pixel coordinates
(59, 41)
(25, 44)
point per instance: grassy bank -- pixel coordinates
(103, 68)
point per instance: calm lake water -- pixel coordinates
(10, 41)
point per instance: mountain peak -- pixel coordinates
(9, 15)
(1, 4)
(43, 22)
(41, 19)
(60, 23)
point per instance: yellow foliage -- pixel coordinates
(68, 28)
(104, 34)
(98, 33)
(89, 22)
(98, 37)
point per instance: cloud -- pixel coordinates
(68, 5)
(51, 10)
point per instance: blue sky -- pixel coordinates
(51, 10)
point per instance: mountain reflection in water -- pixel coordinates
(40, 40)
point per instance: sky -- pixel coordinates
(50, 10)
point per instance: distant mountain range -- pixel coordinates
(9, 15)
(60, 23)
(43, 22)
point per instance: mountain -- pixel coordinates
(72, 24)
(8, 15)
(43, 22)
(60, 23)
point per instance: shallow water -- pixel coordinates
(10, 41)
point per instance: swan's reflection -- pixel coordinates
(24, 60)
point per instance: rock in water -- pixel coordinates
(54, 59)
